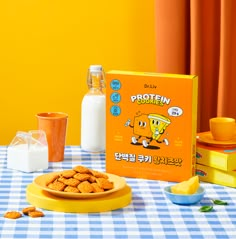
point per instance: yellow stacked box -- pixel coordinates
(216, 164)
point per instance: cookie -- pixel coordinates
(82, 176)
(98, 174)
(26, 210)
(104, 183)
(68, 173)
(81, 169)
(56, 185)
(51, 179)
(85, 187)
(12, 215)
(96, 188)
(70, 181)
(36, 213)
(92, 179)
(71, 189)
(61, 179)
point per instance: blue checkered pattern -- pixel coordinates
(150, 214)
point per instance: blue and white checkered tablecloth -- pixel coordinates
(150, 214)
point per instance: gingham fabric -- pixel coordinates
(150, 214)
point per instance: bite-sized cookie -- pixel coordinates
(26, 210)
(82, 176)
(70, 181)
(96, 188)
(71, 189)
(12, 215)
(56, 185)
(98, 174)
(36, 213)
(85, 187)
(104, 183)
(92, 179)
(81, 169)
(68, 173)
(51, 179)
(74, 178)
(61, 179)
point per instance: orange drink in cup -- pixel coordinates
(54, 125)
(222, 128)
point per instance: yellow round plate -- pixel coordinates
(37, 197)
(207, 138)
(41, 182)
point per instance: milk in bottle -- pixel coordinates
(93, 115)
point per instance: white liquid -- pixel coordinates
(93, 123)
(22, 158)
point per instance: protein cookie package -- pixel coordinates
(151, 122)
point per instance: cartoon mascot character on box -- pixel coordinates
(150, 126)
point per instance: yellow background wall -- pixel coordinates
(46, 47)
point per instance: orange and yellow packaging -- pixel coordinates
(151, 125)
(219, 158)
(216, 176)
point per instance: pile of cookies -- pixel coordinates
(28, 211)
(79, 180)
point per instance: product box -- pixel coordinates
(219, 158)
(151, 125)
(212, 175)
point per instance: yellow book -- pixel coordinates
(212, 175)
(151, 125)
(219, 158)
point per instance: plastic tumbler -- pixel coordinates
(54, 125)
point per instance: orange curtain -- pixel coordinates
(199, 37)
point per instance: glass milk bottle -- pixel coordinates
(93, 113)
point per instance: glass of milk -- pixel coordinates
(28, 151)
